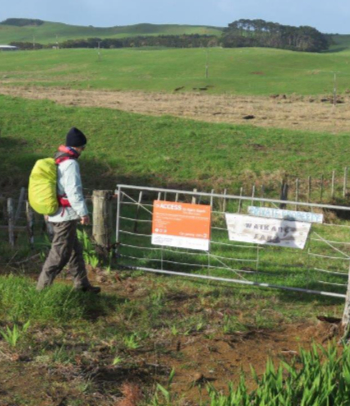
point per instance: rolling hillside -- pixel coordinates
(47, 32)
(249, 71)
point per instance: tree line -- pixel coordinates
(240, 33)
(260, 33)
(173, 41)
(22, 22)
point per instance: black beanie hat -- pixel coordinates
(75, 138)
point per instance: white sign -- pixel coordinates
(257, 230)
(286, 214)
(180, 242)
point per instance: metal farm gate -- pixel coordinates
(322, 267)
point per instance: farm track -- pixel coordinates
(279, 111)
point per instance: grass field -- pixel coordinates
(160, 151)
(47, 32)
(248, 71)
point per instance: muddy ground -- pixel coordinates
(198, 358)
(280, 111)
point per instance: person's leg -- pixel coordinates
(77, 269)
(60, 252)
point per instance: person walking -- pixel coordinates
(65, 248)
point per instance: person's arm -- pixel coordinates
(74, 190)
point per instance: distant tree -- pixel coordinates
(260, 33)
(174, 41)
(22, 22)
(26, 45)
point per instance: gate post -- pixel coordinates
(346, 313)
(102, 216)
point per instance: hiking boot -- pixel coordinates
(92, 289)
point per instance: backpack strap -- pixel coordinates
(66, 153)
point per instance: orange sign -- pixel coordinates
(181, 225)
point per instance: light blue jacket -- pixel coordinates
(69, 184)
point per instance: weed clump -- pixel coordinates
(20, 302)
(316, 377)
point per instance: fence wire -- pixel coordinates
(319, 269)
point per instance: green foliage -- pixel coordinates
(231, 325)
(22, 22)
(172, 41)
(260, 33)
(62, 356)
(13, 336)
(117, 360)
(20, 302)
(132, 341)
(163, 395)
(319, 377)
(89, 252)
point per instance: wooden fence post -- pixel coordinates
(240, 200)
(253, 195)
(345, 181)
(296, 192)
(30, 222)
(346, 313)
(102, 218)
(224, 201)
(333, 182)
(309, 189)
(194, 199)
(10, 214)
(284, 194)
(20, 203)
(212, 198)
(262, 195)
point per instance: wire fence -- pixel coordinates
(322, 267)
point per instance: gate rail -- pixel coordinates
(327, 255)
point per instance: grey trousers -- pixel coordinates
(65, 249)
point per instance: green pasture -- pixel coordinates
(162, 151)
(47, 32)
(248, 71)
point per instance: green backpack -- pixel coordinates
(42, 192)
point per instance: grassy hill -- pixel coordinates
(158, 150)
(47, 32)
(341, 42)
(251, 71)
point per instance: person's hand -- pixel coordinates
(85, 220)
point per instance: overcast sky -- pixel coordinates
(327, 16)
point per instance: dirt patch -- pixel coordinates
(196, 359)
(292, 112)
(203, 355)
